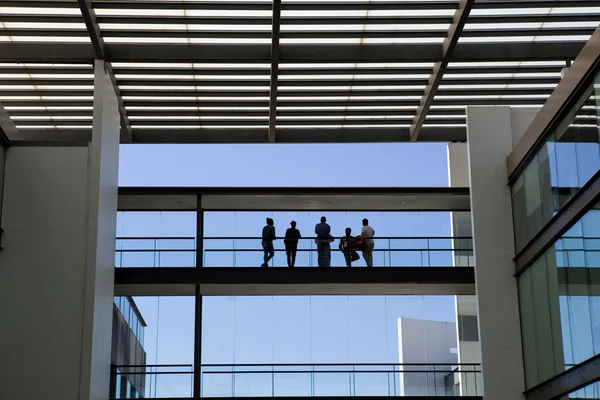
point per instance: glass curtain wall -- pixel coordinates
(566, 160)
(560, 302)
(336, 346)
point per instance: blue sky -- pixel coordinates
(284, 329)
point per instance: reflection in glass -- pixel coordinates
(560, 303)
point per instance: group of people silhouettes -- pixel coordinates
(349, 245)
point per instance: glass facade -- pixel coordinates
(336, 346)
(560, 302)
(131, 317)
(566, 160)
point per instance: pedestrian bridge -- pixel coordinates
(153, 266)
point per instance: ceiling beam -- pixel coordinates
(274, 69)
(8, 130)
(91, 23)
(460, 18)
(289, 53)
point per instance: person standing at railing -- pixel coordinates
(268, 235)
(368, 245)
(323, 232)
(291, 244)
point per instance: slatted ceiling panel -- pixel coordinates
(349, 95)
(47, 96)
(531, 21)
(42, 21)
(358, 94)
(365, 22)
(362, 95)
(174, 96)
(185, 22)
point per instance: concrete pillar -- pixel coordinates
(491, 135)
(470, 383)
(56, 268)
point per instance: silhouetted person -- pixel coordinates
(347, 247)
(268, 235)
(367, 234)
(323, 232)
(291, 244)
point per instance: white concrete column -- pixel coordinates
(56, 269)
(491, 134)
(468, 346)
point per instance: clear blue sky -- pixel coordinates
(284, 329)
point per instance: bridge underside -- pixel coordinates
(296, 281)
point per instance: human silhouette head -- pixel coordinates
(323, 219)
(365, 222)
(270, 221)
(348, 231)
(293, 224)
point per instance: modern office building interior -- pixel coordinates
(145, 144)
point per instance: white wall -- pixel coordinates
(424, 341)
(57, 266)
(42, 272)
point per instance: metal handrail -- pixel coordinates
(303, 238)
(456, 369)
(301, 365)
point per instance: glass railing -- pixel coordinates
(316, 380)
(131, 317)
(388, 252)
(155, 252)
(248, 252)
(152, 381)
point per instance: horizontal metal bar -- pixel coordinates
(446, 372)
(155, 238)
(339, 372)
(304, 238)
(276, 250)
(82, 52)
(305, 365)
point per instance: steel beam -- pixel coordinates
(135, 52)
(89, 16)
(460, 18)
(583, 201)
(276, 33)
(573, 379)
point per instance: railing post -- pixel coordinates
(198, 343)
(199, 233)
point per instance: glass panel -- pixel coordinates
(156, 239)
(566, 160)
(339, 346)
(560, 303)
(162, 365)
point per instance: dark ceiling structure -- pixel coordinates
(283, 71)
